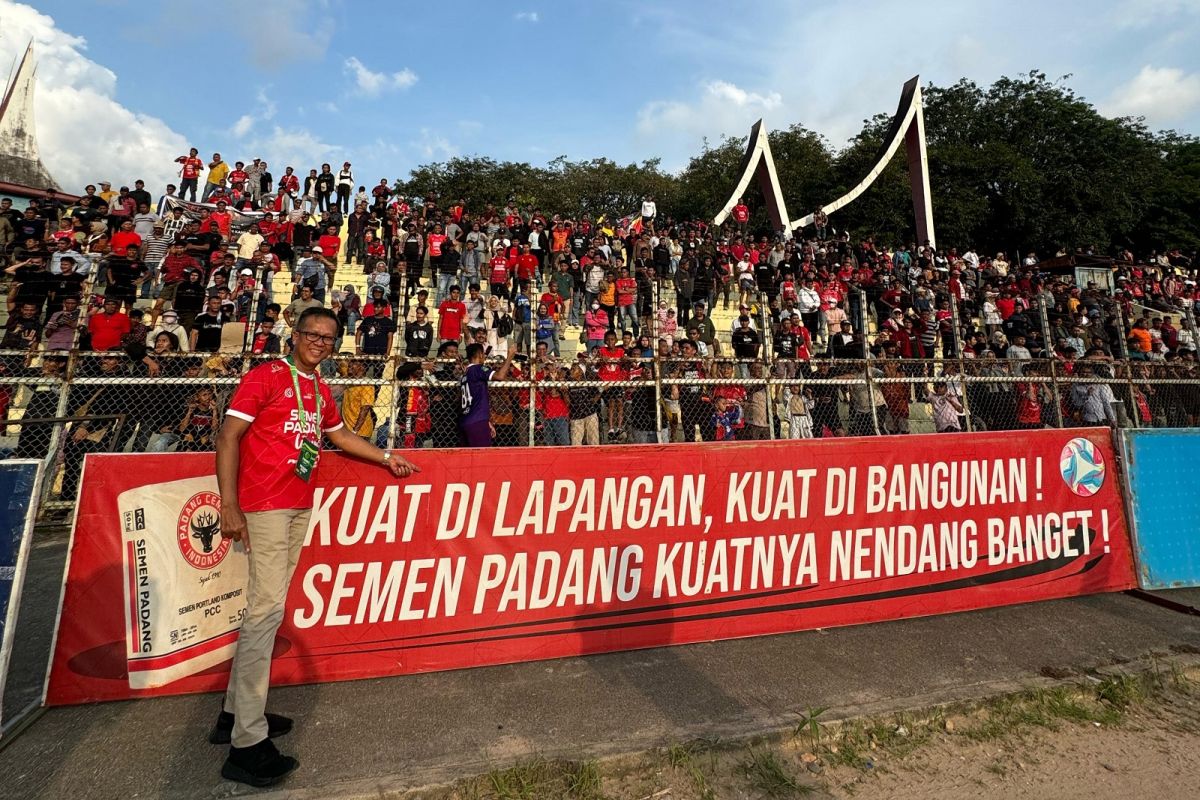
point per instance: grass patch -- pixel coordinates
(524, 781)
(535, 779)
(584, 781)
(688, 759)
(766, 773)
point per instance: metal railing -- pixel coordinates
(99, 403)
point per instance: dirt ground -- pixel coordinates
(1110, 737)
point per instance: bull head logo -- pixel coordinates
(205, 526)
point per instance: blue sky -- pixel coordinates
(388, 85)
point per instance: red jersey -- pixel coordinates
(552, 302)
(222, 220)
(626, 291)
(238, 177)
(741, 213)
(450, 319)
(436, 240)
(499, 269)
(174, 267)
(330, 246)
(525, 266)
(265, 398)
(290, 184)
(107, 330)
(191, 168)
(611, 368)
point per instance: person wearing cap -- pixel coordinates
(377, 305)
(169, 323)
(311, 272)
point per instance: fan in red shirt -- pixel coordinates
(289, 183)
(108, 326)
(434, 243)
(330, 243)
(268, 451)
(741, 214)
(451, 315)
(526, 265)
(222, 219)
(613, 368)
(125, 237)
(498, 274)
(191, 167)
(238, 176)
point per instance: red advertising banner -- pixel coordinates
(497, 556)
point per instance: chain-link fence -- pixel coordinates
(61, 406)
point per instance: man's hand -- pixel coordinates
(401, 467)
(233, 526)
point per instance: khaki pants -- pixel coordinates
(585, 431)
(275, 541)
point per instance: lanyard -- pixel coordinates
(299, 399)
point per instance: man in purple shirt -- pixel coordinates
(477, 430)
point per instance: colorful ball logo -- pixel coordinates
(1082, 467)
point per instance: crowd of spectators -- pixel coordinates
(165, 288)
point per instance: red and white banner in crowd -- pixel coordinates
(496, 556)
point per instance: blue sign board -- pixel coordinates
(19, 482)
(1163, 505)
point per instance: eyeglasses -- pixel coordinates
(312, 337)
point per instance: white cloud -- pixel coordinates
(527, 16)
(434, 145)
(243, 125)
(1160, 94)
(84, 133)
(294, 147)
(373, 83)
(721, 107)
(1145, 13)
(264, 111)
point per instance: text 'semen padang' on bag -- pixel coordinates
(184, 584)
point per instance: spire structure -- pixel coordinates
(20, 163)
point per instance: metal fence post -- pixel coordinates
(1045, 320)
(770, 398)
(1132, 414)
(955, 321)
(1121, 347)
(862, 304)
(871, 396)
(658, 403)
(532, 352)
(1054, 387)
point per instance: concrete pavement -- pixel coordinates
(364, 737)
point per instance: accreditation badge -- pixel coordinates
(306, 461)
(185, 585)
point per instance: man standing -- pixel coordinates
(476, 426)
(189, 173)
(218, 170)
(267, 454)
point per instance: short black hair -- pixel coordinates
(444, 346)
(315, 313)
(474, 349)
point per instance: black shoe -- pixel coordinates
(220, 734)
(258, 765)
